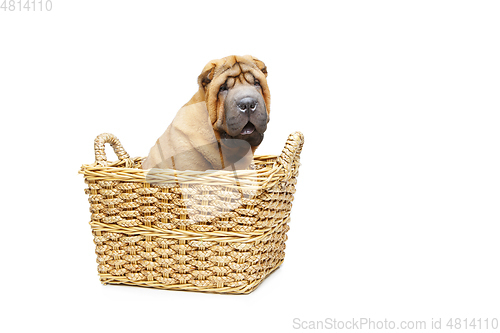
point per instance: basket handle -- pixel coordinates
(100, 154)
(291, 153)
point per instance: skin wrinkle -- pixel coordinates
(223, 68)
(216, 83)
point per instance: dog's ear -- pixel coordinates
(206, 76)
(261, 66)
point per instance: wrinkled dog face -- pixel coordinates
(244, 109)
(237, 98)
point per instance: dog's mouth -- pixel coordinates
(248, 133)
(248, 129)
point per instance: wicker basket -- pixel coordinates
(213, 231)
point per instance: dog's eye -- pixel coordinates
(257, 83)
(223, 88)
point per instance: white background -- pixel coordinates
(397, 211)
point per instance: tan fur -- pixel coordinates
(192, 141)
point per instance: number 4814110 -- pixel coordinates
(479, 323)
(26, 5)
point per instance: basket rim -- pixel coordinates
(251, 179)
(269, 169)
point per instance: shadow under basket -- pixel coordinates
(211, 231)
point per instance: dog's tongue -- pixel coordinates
(248, 129)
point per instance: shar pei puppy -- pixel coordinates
(222, 124)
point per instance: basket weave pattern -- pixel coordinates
(217, 231)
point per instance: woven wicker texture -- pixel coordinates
(214, 231)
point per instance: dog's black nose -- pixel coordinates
(247, 104)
